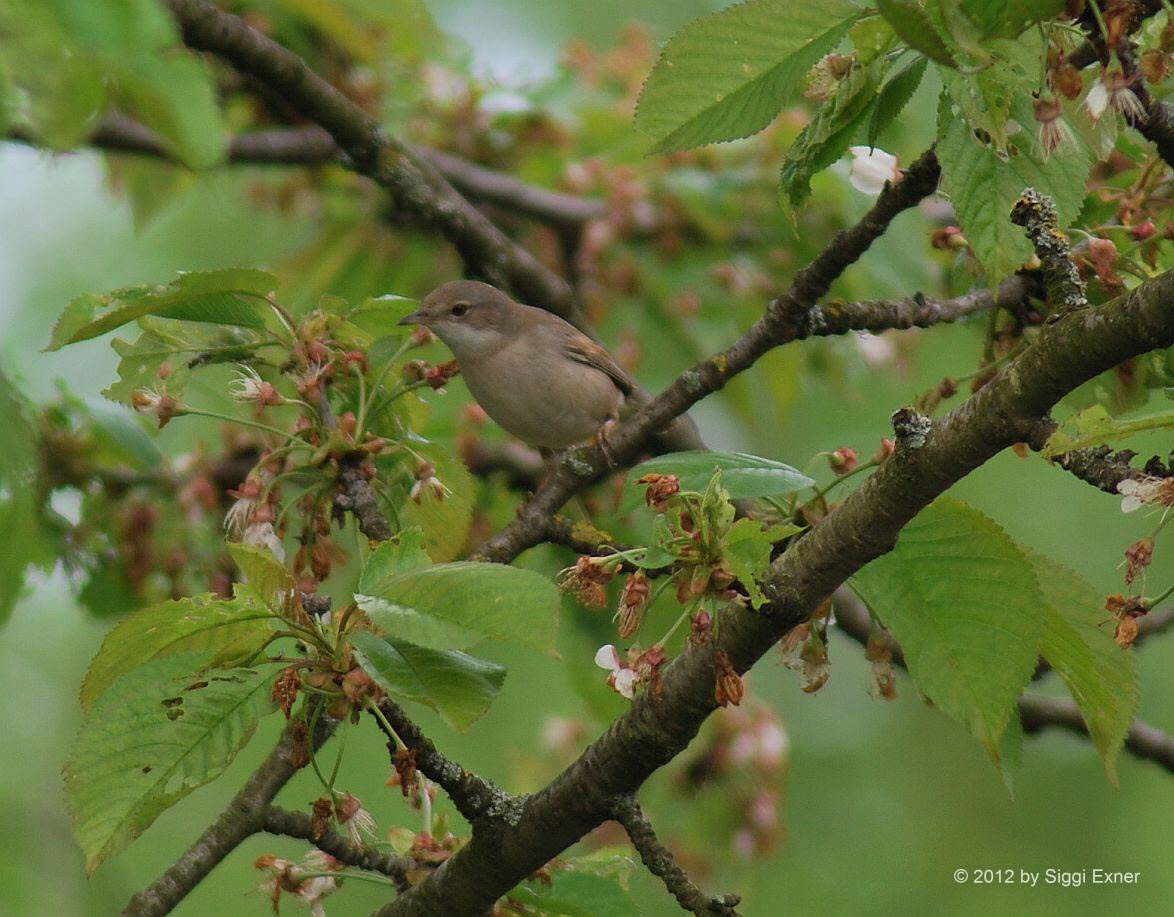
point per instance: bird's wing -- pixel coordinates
(582, 349)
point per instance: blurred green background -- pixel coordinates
(881, 802)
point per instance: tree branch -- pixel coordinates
(356, 495)
(412, 179)
(312, 146)
(1158, 124)
(791, 316)
(1143, 741)
(661, 863)
(659, 725)
(1037, 215)
(275, 820)
(243, 818)
(475, 798)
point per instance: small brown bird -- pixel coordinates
(536, 375)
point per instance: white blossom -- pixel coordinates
(871, 168)
(623, 679)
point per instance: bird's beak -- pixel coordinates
(413, 318)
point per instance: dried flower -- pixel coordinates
(824, 77)
(359, 823)
(359, 687)
(160, 406)
(623, 678)
(728, 688)
(660, 488)
(887, 447)
(701, 628)
(948, 238)
(406, 774)
(263, 535)
(239, 515)
(1112, 91)
(285, 689)
(1137, 557)
(1054, 131)
(1067, 81)
(588, 579)
(439, 375)
(248, 386)
(1126, 610)
(872, 169)
(427, 482)
(321, 814)
(633, 602)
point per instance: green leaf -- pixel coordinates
(470, 600)
(962, 600)
(268, 577)
(456, 685)
(894, 96)
(827, 135)
(727, 75)
(916, 29)
(445, 522)
(578, 894)
(744, 476)
(22, 539)
(216, 297)
(1000, 89)
(1099, 674)
(400, 554)
(156, 735)
(1094, 425)
(746, 551)
(230, 628)
(162, 355)
(1008, 18)
(984, 184)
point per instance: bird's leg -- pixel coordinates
(604, 445)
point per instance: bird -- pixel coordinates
(536, 375)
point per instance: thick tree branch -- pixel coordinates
(475, 798)
(412, 179)
(662, 864)
(275, 820)
(926, 463)
(791, 316)
(1100, 466)
(243, 818)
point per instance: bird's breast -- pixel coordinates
(546, 400)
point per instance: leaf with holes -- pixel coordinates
(155, 736)
(727, 75)
(984, 185)
(456, 685)
(962, 600)
(1099, 674)
(230, 629)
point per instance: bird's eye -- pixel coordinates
(460, 309)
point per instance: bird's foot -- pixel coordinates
(604, 446)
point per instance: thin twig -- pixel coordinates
(275, 820)
(477, 799)
(1036, 713)
(661, 863)
(1037, 215)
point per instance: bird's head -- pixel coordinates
(469, 316)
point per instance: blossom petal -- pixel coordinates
(606, 657)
